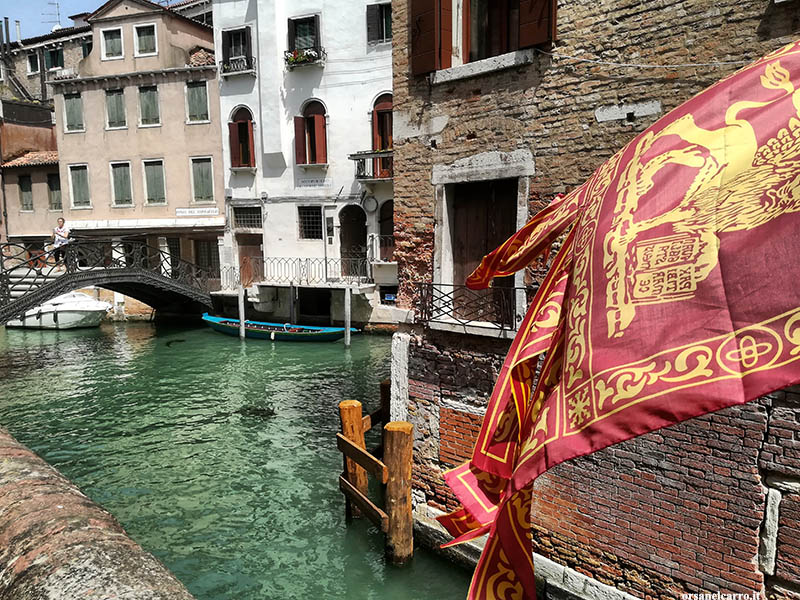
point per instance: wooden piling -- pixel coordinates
(347, 309)
(241, 312)
(398, 445)
(353, 430)
(292, 304)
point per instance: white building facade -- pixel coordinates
(306, 107)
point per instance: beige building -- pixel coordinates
(138, 133)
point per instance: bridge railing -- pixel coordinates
(24, 269)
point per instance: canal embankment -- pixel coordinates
(56, 543)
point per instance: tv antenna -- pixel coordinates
(56, 14)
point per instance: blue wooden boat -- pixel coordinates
(276, 331)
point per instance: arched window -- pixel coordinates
(310, 144)
(240, 132)
(382, 134)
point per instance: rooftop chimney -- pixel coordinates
(19, 30)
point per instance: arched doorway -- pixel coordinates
(353, 241)
(386, 230)
(242, 142)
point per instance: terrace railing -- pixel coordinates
(374, 165)
(238, 64)
(298, 271)
(457, 304)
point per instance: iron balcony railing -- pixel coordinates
(297, 271)
(374, 165)
(238, 64)
(457, 304)
(380, 248)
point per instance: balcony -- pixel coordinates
(283, 271)
(304, 57)
(374, 165)
(458, 308)
(239, 65)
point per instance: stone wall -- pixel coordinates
(712, 504)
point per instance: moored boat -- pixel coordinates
(276, 331)
(68, 311)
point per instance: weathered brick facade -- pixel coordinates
(684, 509)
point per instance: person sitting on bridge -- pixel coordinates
(60, 239)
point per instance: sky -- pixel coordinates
(34, 22)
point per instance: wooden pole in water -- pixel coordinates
(347, 309)
(292, 306)
(353, 430)
(241, 312)
(398, 442)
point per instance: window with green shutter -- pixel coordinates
(121, 184)
(54, 58)
(79, 175)
(73, 110)
(54, 191)
(197, 101)
(112, 43)
(148, 105)
(25, 192)
(115, 108)
(202, 180)
(145, 40)
(155, 192)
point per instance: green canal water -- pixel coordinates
(217, 456)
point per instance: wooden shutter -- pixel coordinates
(537, 22)
(445, 30)
(248, 45)
(319, 139)
(317, 33)
(226, 46)
(236, 152)
(251, 143)
(300, 140)
(292, 45)
(374, 23)
(431, 35)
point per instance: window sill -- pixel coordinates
(104, 58)
(148, 55)
(55, 210)
(81, 207)
(123, 206)
(155, 204)
(243, 169)
(206, 122)
(26, 211)
(116, 128)
(203, 202)
(32, 74)
(67, 131)
(482, 328)
(313, 166)
(500, 62)
(149, 126)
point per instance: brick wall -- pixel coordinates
(678, 510)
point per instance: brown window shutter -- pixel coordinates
(292, 45)
(251, 143)
(317, 33)
(373, 23)
(537, 22)
(226, 46)
(423, 36)
(300, 140)
(445, 30)
(319, 139)
(233, 137)
(248, 45)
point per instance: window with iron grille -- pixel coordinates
(310, 220)
(207, 254)
(247, 217)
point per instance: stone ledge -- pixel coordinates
(553, 581)
(501, 62)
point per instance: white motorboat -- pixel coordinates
(67, 311)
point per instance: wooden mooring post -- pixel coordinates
(394, 471)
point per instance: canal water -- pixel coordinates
(217, 456)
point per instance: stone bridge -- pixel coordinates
(170, 285)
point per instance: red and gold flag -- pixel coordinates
(673, 295)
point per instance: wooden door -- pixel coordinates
(484, 216)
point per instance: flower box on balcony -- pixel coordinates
(302, 58)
